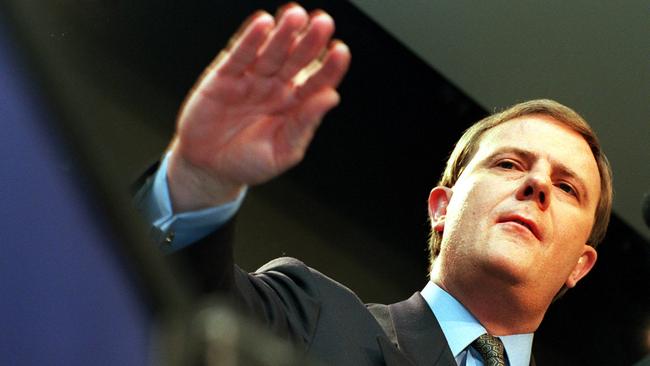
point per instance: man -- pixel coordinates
(524, 200)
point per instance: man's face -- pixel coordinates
(522, 210)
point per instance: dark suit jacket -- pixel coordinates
(324, 318)
(321, 316)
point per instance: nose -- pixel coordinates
(536, 187)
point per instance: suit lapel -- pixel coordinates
(418, 333)
(392, 356)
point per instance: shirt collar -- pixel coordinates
(461, 328)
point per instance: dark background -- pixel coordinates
(356, 207)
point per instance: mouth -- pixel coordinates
(530, 225)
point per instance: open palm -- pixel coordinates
(253, 113)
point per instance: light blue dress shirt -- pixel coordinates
(184, 228)
(461, 329)
(458, 325)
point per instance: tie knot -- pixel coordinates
(491, 349)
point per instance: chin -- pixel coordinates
(508, 266)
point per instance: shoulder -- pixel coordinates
(294, 274)
(334, 317)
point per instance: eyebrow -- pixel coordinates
(564, 170)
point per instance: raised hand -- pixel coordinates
(254, 111)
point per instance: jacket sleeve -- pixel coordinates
(282, 295)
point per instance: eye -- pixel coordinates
(507, 164)
(567, 188)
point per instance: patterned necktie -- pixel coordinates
(491, 349)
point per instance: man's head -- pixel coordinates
(537, 164)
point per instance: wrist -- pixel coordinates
(193, 188)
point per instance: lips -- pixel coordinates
(523, 221)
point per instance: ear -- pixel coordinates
(438, 201)
(585, 264)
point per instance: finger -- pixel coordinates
(242, 29)
(274, 53)
(244, 50)
(335, 64)
(315, 107)
(296, 134)
(310, 44)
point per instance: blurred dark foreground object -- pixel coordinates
(80, 282)
(226, 338)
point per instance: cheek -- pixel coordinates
(466, 207)
(571, 234)
(573, 225)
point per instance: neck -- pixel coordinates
(500, 308)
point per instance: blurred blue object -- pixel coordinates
(65, 296)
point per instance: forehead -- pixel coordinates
(545, 138)
(537, 133)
